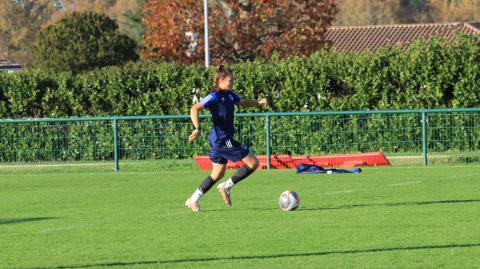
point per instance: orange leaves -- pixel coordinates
(240, 30)
(167, 23)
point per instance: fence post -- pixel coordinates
(267, 138)
(424, 138)
(115, 144)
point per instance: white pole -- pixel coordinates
(207, 50)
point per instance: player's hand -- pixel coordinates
(263, 102)
(194, 135)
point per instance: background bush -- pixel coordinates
(432, 74)
(429, 74)
(82, 41)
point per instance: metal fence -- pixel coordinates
(406, 137)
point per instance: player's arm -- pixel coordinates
(255, 103)
(195, 117)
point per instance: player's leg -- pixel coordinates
(218, 171)
(251, 161)
(251, 164)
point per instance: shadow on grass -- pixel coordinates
(274, 256)
(364, 205)
(396, 204)
(16, 221)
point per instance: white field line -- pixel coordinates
(417, 157)
(10, 166)
(404, 157)
(340, 192)
(51, 230)
(464, 176)
(406, 183)
(423, 167)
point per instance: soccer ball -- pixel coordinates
(289, 200)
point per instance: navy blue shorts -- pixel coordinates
(232, 150)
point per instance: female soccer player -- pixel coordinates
(223, 147)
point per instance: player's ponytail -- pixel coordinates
(221, 73)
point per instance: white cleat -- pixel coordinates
(195, 207)
(225, 192)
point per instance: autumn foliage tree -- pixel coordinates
(18, 27)
(465, 10)
(372, 12)
(239, 29)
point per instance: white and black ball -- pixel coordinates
(289, 200)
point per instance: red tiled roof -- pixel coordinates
(360, 38)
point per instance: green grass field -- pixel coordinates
(382, 218)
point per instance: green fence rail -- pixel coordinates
(407, 137)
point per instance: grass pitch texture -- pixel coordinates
(382, 218)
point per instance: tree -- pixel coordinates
(414, 11)
(129, 17)
(372, 12)
(125, 12)
(240, 29)
(449, 11)
(18, 26)
(366, 12)
(97, 6)
(83, 41)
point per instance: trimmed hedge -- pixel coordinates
(431, 74)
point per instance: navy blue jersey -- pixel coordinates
(221, 105)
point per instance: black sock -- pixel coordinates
(241, 174)
(206, 184)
